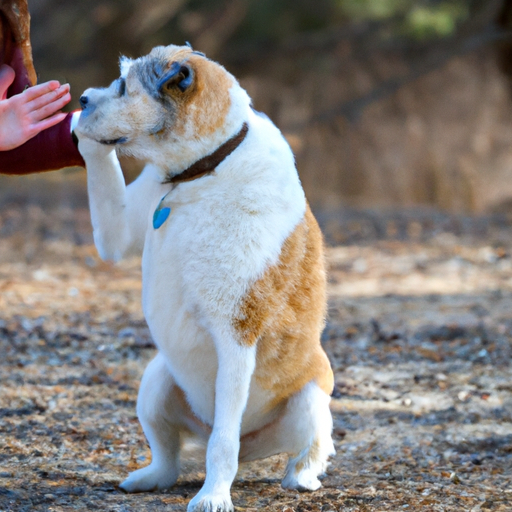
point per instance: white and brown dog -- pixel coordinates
(233, 270)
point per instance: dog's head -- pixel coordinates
(172, 101)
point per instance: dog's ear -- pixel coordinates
(124, 65)
(179, 75)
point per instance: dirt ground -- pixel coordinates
(419, 335)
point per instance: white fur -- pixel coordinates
(125, 64)
(223, 232)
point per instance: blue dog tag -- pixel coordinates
(161, 214)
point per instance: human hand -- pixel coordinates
(24, 115)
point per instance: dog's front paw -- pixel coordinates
(211, 502)
(149, 479)
(90, 148)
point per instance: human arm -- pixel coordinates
(52, 147)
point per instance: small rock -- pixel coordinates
(455, 478)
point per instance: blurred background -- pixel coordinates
(387, 104)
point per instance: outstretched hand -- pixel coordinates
(24, 115)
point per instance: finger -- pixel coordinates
(50, 108)
(38, 90)
(47, 123)
(47, 98)
(6, 79)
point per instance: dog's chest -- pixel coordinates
(194, 272)
(199, 263)
(173, 312)
(210, 246)
(187, 258)
(174, 265)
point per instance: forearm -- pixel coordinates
(51, 149)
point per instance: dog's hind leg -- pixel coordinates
(304, 432)
(161, 419)
(309, 459)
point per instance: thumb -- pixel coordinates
(6, 79)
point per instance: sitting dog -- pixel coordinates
(232, 266)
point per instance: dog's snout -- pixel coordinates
(84, 100)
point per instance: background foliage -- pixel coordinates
(386, 103)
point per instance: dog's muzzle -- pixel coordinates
(87, 108)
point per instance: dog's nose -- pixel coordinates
(84, 100)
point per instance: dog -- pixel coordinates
(232, 268)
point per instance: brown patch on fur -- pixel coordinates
(211, 102)
(207, 100)
(284, 313)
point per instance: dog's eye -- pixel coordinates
(121, 87)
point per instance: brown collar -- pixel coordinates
(207, 164)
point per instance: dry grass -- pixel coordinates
(419, 335)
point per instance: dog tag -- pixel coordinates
(161, 214)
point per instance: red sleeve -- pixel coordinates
(50, 150)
